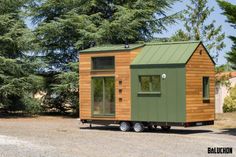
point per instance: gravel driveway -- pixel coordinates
(66, 137)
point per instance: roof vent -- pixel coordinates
(126, 45)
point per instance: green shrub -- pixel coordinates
(32, 105)
(230, 101)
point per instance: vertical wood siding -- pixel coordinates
(121, 73)
(198, 66)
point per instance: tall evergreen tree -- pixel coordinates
(17, 80)
(197, 27)
(230, 13)
(64, 27)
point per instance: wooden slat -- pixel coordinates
(197, 67)
(121, 72)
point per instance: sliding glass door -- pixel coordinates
(103, 96)
(97, 91)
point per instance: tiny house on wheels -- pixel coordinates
(147, 85)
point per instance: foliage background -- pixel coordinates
(45, 59)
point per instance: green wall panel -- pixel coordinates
(169, 105)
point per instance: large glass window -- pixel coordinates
(103, 63)
(205, 88)
(97, 96)
(150, 83)
(109, 92)
(103, 89)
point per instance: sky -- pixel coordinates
(216, 15)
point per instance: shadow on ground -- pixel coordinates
(172, 131)
(25, 115)
(228, 131)
(15, 115)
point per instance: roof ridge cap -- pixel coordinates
(174, 42)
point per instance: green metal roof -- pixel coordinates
(166, 53)
(112, 48)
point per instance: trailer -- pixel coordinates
(147, 85)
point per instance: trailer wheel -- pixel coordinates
(138, 127)
(125, 126)
(165, 128)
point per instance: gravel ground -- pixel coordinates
(66, 137)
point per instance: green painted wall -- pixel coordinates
(169, 105)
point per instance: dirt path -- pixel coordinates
(66, 137)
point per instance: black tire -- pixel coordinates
(138, 127)
(165, 128)
(125, 126)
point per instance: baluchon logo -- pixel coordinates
(220, 150)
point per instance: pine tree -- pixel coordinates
(180, 35)
(66, 85)
(197, 28)
(17, 80)
(230, 13)
(64, 27)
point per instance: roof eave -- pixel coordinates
(201, 43)
(208, 53)
(157, 65)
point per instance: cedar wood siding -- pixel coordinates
(197, 67)
(123, 60)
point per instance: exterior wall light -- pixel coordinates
(163, 76)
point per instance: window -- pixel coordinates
(103, 91)
(205, 88)
(103, 63)
(150, 83)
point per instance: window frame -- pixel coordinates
(206, 94)
(150, 91)
(103, 90)
(102, 69)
